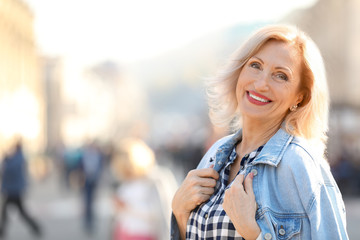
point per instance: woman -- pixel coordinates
(269, 180)
(141, 202)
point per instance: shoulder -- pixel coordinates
(306, 169)
(313, 178)
(303, 161)
(301, 152)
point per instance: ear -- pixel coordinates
(300, 98)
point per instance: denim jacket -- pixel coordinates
(296, 194)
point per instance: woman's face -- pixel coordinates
(268, 84)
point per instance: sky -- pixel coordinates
(132, 30)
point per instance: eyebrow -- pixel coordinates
(258, 59)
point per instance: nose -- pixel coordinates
(261, 83)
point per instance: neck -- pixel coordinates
(257, 133)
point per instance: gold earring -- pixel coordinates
(293, 108)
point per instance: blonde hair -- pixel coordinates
(132, 158)
(310, 120)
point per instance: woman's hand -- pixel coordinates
(197, 187)
(240, 205)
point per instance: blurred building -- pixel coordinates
(21, 93)
(102, 102)
(52, 79)
(334, 26)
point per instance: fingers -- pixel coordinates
(238, 182)
(206, 182)
(248, 184)
(206, 173)
(197, 188)
(244, 185)
(201, 194)
(207, 190)
(204, 177)
(200, 198)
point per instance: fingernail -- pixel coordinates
(212, 166)
(251, 175)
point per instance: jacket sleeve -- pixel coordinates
(174, 230)
(327, 210)
(327, 215)
(320, 197)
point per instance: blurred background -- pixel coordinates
(85, 73)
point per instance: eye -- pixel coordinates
(282, 76)
(255, 65)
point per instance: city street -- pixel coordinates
(59, 213)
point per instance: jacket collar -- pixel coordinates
(274, 149)
(223, 152)
(271, 153)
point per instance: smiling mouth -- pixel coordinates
(257, 98)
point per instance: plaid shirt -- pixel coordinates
(209, 220)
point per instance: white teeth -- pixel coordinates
(258, 98)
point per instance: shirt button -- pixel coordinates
(268, 236)
(206, 216)
(282, 231)
(219, 162)
(254, 171)
(246, 155)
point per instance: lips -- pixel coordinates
(257, 98)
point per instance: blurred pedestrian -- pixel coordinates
(142, 201)
(13, 188)
(71, 158)
(91, 164)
